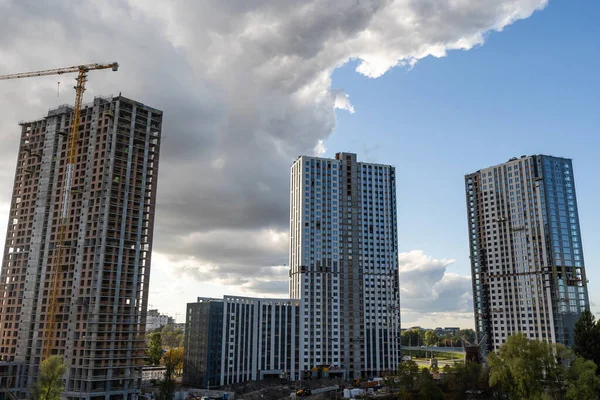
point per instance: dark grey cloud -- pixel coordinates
(245, 87)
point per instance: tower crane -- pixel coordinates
(65, 206)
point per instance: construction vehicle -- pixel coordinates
(58, 254)
(303, 392)
(366, 384)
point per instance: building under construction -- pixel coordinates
(527, 264)
(99, 322)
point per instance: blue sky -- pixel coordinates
(531, 89)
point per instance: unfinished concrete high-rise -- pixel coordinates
(104, 276)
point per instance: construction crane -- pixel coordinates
(65, 206)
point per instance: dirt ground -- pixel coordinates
(275, 389)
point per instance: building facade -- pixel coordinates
(527, 262)
(155, 320)
(344, 264)
(203, 345)
(238, 339)
(343, 315)
(449, 331)
(103, 282)
(260, 339)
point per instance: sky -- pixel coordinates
(436, 88)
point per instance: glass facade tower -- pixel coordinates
(526, 253)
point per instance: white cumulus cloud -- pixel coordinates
(426, 286)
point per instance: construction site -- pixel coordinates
(76, 262)
(278, 388)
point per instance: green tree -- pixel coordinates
(412, 337)
(587, 337)
(166, 388)
(529, 369)
(50, 385)
(408, 371)
(172, 337)
(460, 377)
(468, 334)
(417, 384)
(583, 382)
(427, 388)
(431, 338)
(154, 349)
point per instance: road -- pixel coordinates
(436, 349)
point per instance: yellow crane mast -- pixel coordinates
(65, 207)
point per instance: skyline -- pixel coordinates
(245, 122)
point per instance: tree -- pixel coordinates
(173, 359)
(416, 384)
(166, 388)
(460, 377)
(428, 389)
(172, 336)
(154, 349)
(583, 382)
(412, 337)
(468, 334)
(529, 369)
(408, 372)
(431, 338)
(50, 385)
(587, 337)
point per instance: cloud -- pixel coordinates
(245, 88)
(266, 286)
(342, 101)
(427, 287)
(319, 149)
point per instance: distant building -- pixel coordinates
(152, 373)
(526, 252)
(447, 331)
(155, 320)
(179, 325)
(417, 328)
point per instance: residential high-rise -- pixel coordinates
(526, 255)
(343, 317)
(344, 264)
(104, 276)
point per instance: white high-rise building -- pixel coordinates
(344, 264)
